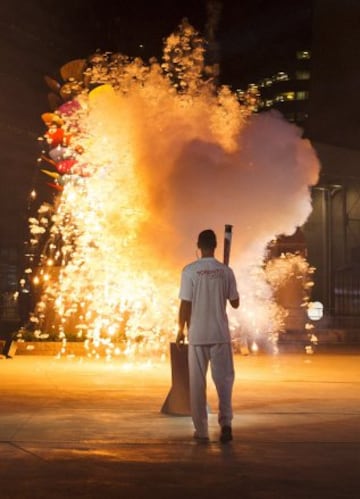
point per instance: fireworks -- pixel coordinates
(143, 156)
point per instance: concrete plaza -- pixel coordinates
(77, 428)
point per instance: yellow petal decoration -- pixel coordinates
(51, 174)
(51, 118)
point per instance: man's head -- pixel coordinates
(207, 240)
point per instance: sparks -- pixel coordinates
(143, 157)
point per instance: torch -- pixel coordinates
(227, 243)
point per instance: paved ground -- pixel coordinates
(92, 429)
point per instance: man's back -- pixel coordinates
(208, 284)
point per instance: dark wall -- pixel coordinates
(335, 75)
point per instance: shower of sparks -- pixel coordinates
(132, 135)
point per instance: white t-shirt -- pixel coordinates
(208, 284)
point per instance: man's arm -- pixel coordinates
(233, 291)
(184, 320)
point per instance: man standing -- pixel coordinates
(206, 285)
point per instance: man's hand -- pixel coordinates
(180, 339)
(184, 321)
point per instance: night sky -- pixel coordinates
(254, 37)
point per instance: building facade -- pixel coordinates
(333, 126)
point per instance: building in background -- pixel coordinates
(318, 90)
(286, 90)
(24, 56)
(333, 126)
(36, 39)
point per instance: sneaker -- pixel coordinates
(226, 434)
(201, 439)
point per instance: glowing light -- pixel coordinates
(315, 310)
(254, 347)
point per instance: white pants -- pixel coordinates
(221, 361)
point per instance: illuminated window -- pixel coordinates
(303, 54)
(289, 95)
(302, 95)
(279, 98)
(302, 75)
(281, 76)
(268, 82)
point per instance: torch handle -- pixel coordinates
(227, 243)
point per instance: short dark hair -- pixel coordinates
(207, 239)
